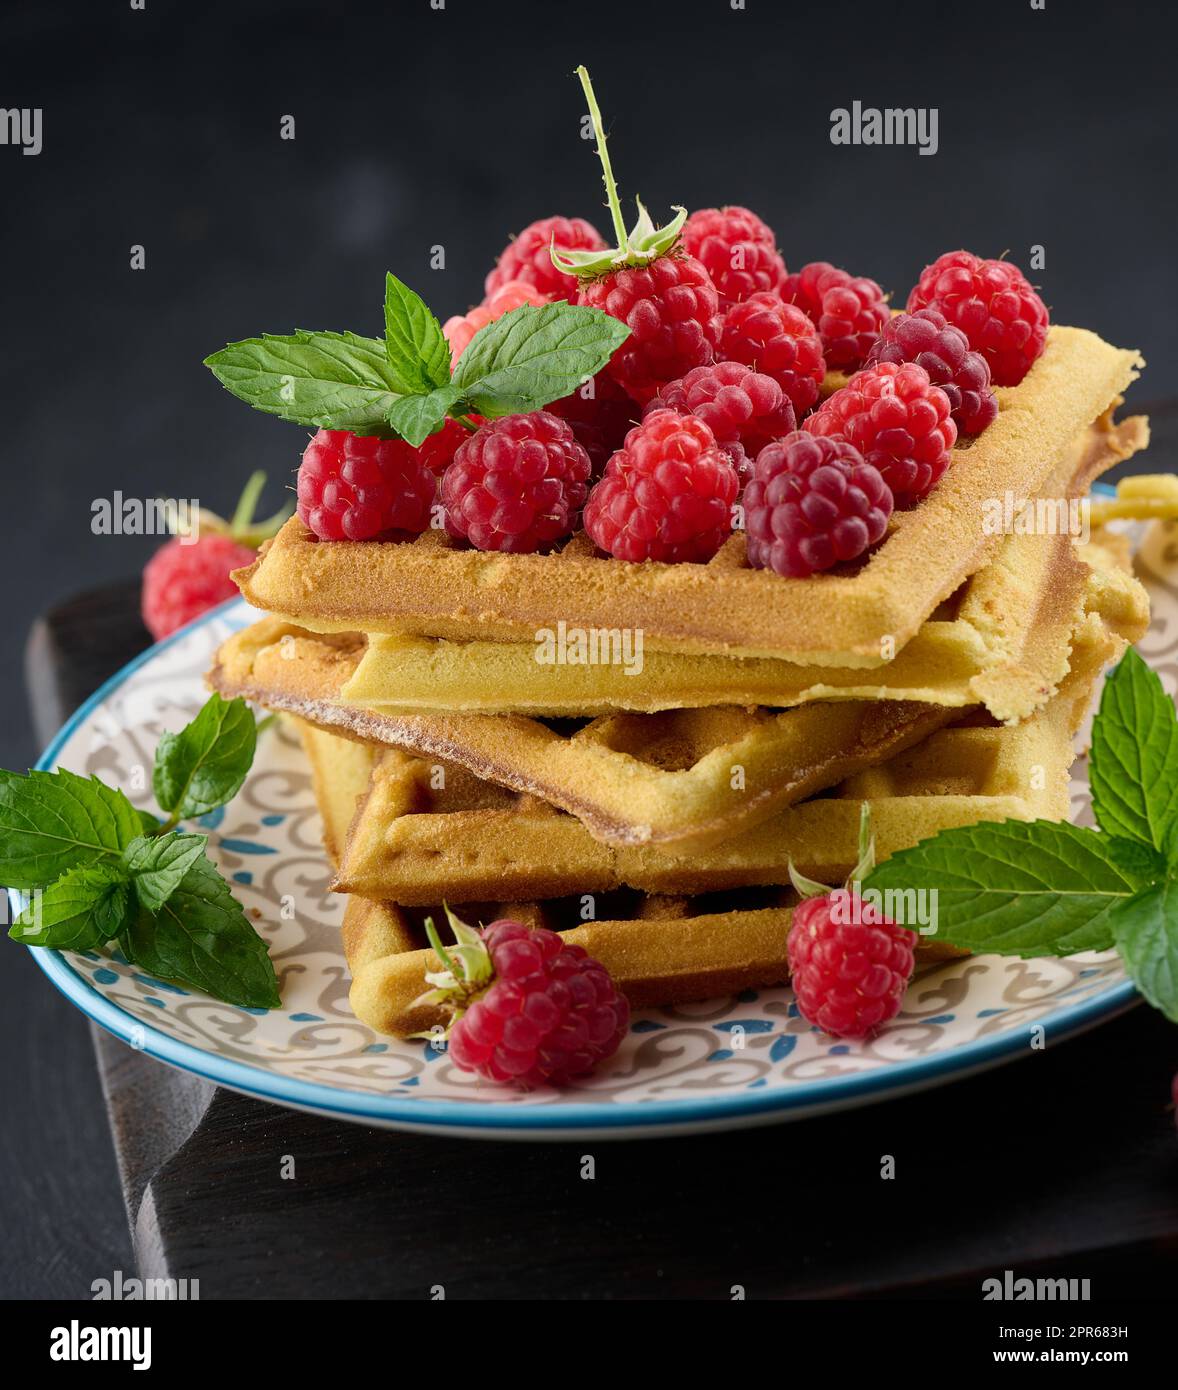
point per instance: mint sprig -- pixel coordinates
(1046, 888)
(203, 766)
(402, 387)
(97, 869)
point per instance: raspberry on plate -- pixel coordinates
(993, 304)
(737, 250)
(778, 339)
(849, 964)
(355, 488)
(741, 407)
(848, 310)
(189, 574)
(185, 578)
(527, 258)
(517, 484)
(666, 494)
(601, 414)
(811, 503)
(926, 338)
(898, 420)
(460, 329)
(529, 1009)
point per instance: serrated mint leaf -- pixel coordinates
(202, 937)
(1016, 888)
(51, 822)
(335, 381)
(83, 908)
(203, 766)
(417, 350)
(157, 864)
(534, 355)
(415, 418)
(1146, 931)
(1140, 864)
(1133, 766)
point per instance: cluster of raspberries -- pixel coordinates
(715, 399)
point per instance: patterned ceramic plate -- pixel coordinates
(728, 1062)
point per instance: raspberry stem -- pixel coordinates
(607, 173)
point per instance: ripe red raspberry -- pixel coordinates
(898, 420)
(924, 337)
(460, 329)
(811, 503)
(517, 484)
(737, 250)
(532, 1010)
(848, 311)
(779, 340)
(182, 580)
(600, 414)
(438, 449)
(190, 573)
(352, 487)
(994, 306)
(666, 494)
(670, 306)
(744, 409)
(527, 258)
(850, 965)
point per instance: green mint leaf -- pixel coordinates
(1146, 931)
(1133, 766)
(418, 353)
(158, 865)
(334, 381)
(532, 356)
(203, 766)
(415, 418)
(83, 908)
(1139, 864)
(202, 937)
(54, 821)
(1016, 888)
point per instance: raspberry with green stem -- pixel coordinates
(664, 296)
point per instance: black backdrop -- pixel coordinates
(417, 127)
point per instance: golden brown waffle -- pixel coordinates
(1003, 641)
(661, 950)
(433, 587)
(689, 778)
(686, 778)
(418, 837)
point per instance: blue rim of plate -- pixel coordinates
(492, 1115)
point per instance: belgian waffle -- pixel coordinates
(1002, 641)
(661, 950)
(432, 587)
(419, 836)
(688, 778)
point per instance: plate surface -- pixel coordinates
(724, 1063)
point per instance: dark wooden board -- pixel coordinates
(1065, 1163)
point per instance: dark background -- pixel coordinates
(418, 127)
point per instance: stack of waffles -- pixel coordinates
(636, 753)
